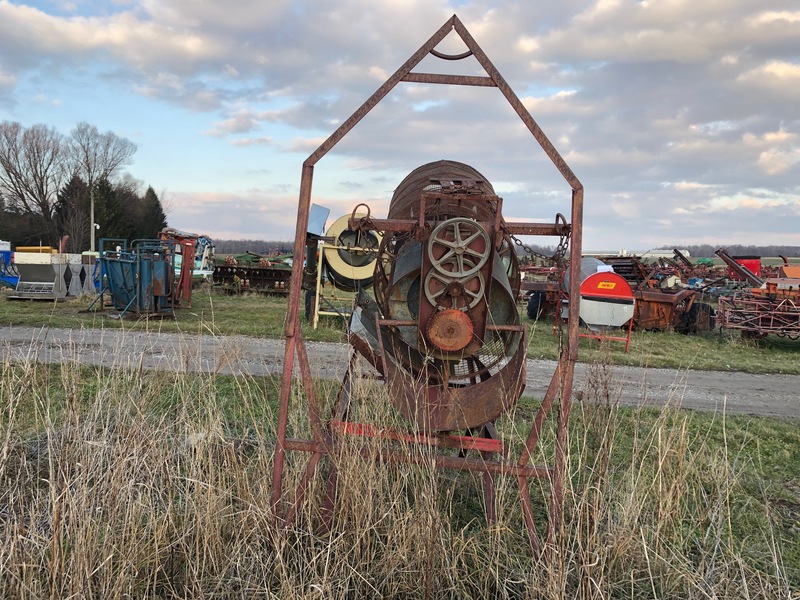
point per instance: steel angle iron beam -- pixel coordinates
(559, 392)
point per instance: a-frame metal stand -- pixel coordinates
(560, 387)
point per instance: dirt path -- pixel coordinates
(737, 393)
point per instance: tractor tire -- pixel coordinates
(700, 318)
(535, 305)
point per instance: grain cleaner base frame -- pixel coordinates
(560, 388)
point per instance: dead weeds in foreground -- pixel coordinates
(137, 484)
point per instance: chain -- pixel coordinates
(528, 250)
(559, 256)
(563, 243)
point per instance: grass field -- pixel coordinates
(263, 316)
(120, 483)
(128, 484)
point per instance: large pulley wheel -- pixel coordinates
(459, 247)
(442, 291)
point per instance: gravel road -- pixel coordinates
(736, 393)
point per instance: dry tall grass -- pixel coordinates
(141, 484)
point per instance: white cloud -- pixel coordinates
(778, 160)
(752, 199)
(7, 80)
(260, 141)
(242, 121)
(774, 76)
(776, 16)
(558, 101)
(684, 186)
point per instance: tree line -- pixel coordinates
(51, 183)
(706, 250)
(262, 247)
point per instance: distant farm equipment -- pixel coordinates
(252, 272)
(341, 263)
(140, 280)
(8, 272)
(770, 306)
(200, 252)
(607, 302)
(662, 302)
(42, 273)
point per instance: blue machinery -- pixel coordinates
(8, 274)
(139, 280)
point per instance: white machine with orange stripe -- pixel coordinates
(606, 298)
(606, 301)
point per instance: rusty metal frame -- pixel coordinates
(560, 387)
(614, 338)
(759, 315)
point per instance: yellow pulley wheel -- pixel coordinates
(351, 258)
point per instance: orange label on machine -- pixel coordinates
(607, 285)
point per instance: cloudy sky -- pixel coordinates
(680, 118)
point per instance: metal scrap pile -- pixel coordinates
(770, 306)
(665, 301)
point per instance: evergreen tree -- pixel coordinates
(153, 217)
(132, 207)
(72, 214)
(108, 212)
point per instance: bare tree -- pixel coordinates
(32, 169)
(97, 156)
(129, 184)
(167, 202)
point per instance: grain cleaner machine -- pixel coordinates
(443, 330)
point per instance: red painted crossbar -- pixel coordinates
(460, 442)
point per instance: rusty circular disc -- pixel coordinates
(450, 330)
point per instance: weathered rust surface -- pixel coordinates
(448, 280)
(437, 407)
(656, 310)
(450, 330)
(773, 308)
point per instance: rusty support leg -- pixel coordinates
(302, 487)
(571, 351)
(489, 431)
(308, 387)
(527, 515)
(339, 413)
(541, 415)
(527, 455)
(292, 325)
(280, 434)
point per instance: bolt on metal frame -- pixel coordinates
(561, 384)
